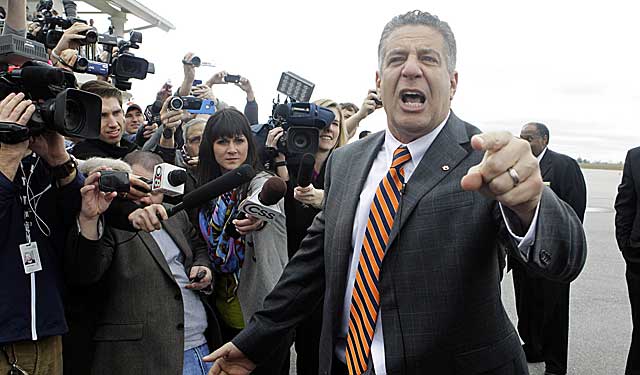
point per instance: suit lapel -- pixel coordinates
(442, 157)
(358, 168)
(545, 164)
(155, 252)
(175, 232)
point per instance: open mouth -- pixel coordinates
(412, 97)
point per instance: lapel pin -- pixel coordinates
(445, 167)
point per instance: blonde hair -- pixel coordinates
(342, 136)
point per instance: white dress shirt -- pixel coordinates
(379, 169)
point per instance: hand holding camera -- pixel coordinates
(203, 92)
(370, 104)
(217, 78)
(170, 117)
(245, 86)
(95, 201)
(189, 67)
(72, 37)
(16, 111)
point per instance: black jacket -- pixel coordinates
(57, 208)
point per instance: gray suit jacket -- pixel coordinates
(440, 279)
(137, 322)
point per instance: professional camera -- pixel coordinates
(59, 106)
(124, 64)
(51, 27)
(302, 123)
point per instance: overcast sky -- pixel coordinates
(572, 65)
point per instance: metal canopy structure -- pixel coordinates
(118, 10)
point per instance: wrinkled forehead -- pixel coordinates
(411, 37)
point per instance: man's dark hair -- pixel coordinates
(145, 159)
(102, 89)
(418, 18)
(349, 107)
(542, 129)
(228, 122)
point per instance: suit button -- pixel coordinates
(178, 297)
(180, 327)
(545, 257)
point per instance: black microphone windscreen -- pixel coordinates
(219, 186)
(305, 171)
(272, 191)
(177, 177)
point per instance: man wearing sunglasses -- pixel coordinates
(543, 305)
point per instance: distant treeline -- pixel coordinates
(597, 164)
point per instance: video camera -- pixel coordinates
(59, 105)
(123, 65)
(51, 27)
(302, 123)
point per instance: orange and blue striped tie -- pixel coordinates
(365, 301)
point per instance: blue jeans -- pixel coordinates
(193, 364)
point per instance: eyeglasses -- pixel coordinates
(196, 139)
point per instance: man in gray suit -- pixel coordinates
(405, 253)
(144, 287)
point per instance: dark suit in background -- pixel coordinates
(440, 280)
(628, 237)
(542, 304)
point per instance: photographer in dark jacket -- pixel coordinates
(302, 204)
(39, 181)
(111, 143)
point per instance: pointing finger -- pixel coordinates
(491, 141)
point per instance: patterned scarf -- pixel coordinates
(225, 252)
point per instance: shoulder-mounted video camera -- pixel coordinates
(59, 105)
(302, 123)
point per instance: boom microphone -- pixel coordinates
(215, 188)
(305, 171)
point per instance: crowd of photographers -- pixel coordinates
(102, 273)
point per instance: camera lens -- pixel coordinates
(74, 116)
(81, 64)
(176, 103)
(195, 61)
(91, 36)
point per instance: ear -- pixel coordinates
(378, 81)
(453, 81)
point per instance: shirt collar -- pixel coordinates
(417, 147)
(539, 157)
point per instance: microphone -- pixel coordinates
(262, 204)
(169, 179)
(305, 171)
(215, 188)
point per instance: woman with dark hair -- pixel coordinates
(246, 262)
